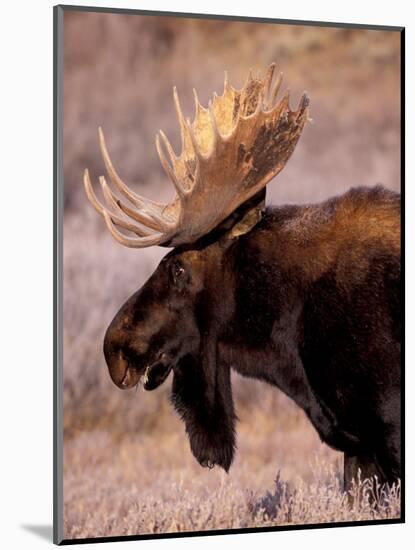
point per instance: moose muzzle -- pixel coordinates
(126, 369)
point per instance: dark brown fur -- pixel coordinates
(308, 300)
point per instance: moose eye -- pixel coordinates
(178, 271)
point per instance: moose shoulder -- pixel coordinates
(305, 298)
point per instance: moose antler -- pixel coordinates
(230, 152)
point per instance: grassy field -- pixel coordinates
(128, 468)
(148, 481)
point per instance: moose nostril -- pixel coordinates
(124, 365)
(130, 378)
(117, 365)
(124, 378)
(121, 360)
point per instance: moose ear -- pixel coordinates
(247, 216)
(251, 218)
(202, 395)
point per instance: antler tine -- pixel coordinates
(114, 203)
(180, 116)
(276, 89)
(91, 195)
(167, 168)
(195, 145)
(172, 155)
(143, 217)
(134, 198)
(146, 219)
(145, 213)
(197, 104)
(122, 222)
(304, 103)
(267, 83)
(185, 124)
(225, 82)
(285, 101)
(250, 77)
(131, 242)
(214, 125)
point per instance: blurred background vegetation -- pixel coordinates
(119, 72)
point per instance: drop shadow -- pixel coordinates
(43, 531)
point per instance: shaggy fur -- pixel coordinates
(308, 301)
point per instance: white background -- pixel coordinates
(26, 270)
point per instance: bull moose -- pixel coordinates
(306, 298)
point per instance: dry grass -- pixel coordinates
(150, 484)
(127, 463)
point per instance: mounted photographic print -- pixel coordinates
(228, 292)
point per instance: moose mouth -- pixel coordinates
(151, 376)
